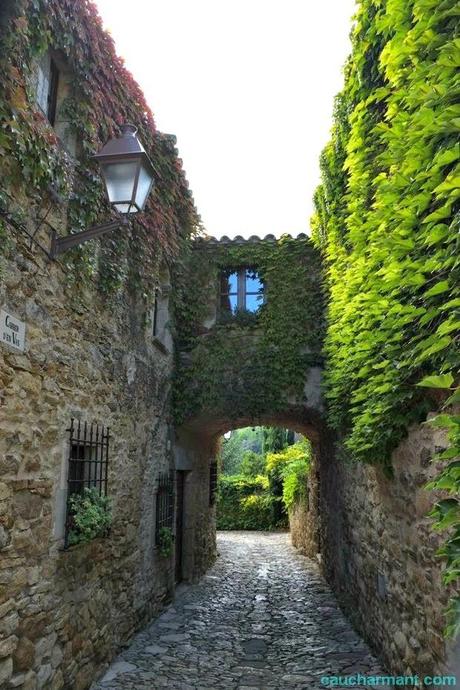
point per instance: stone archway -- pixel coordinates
(195, 449)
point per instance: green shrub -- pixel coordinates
(295, 483)
(90, 516)
(288, 472)
(246, 503)
(252, 464)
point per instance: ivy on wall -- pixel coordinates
(387, 223)
(249, 365)
(102, 96)
(446, 511)
(387, 220)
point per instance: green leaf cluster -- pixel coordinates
(246, 503)
(292, 466)
(387, 222)
(165, 541)
(446, 512)
(90, 516)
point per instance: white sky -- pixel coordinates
(247, 87)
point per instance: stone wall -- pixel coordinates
(378, 553)
(64, 613)
(194, 454)
(304, 519)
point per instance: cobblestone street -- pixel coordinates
(261, 618)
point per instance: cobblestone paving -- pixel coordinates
(261, 618)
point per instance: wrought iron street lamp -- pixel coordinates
(127, 171)
(128, 176)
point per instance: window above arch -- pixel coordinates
(241, 290)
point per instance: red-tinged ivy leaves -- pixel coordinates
(103, 95)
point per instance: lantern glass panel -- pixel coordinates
(143, 186)
(119, 180)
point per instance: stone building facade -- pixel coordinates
(90, 353)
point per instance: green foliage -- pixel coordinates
(386, 221)
(276, 438)
(246, 503)
(252, 464)
(234, 447)
(255, 498)
(446, 511)
(165, 541)
(90, 515)
(295, 483)
(276, 462)
(290, 468)
(239, 369)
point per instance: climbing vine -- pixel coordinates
(387, 223)
(249, 364)
(387, 220)
(102, 95)
(446, 511)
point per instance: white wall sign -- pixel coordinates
(12, 331)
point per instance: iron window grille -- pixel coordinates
(212, 483)
(164, 517)
(88, 462)
(241, 290)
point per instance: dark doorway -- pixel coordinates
(180, 478)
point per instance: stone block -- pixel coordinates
(18, 680)
(28, 505)
(30, 682)
(43, 676)
(32, 627)
(24, 655)
(5, 491)
(5, 537)
(6, 671)
(9, 624)
(7, 646)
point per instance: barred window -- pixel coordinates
(212, 483)
(88, 462)
(164, 504)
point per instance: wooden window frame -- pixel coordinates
(241, 292)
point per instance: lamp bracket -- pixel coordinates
(62, 244)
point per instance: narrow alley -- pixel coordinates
(261, 618)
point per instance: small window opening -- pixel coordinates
(164, 504)
(88, 461)
(242, 289)
(46, 88)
